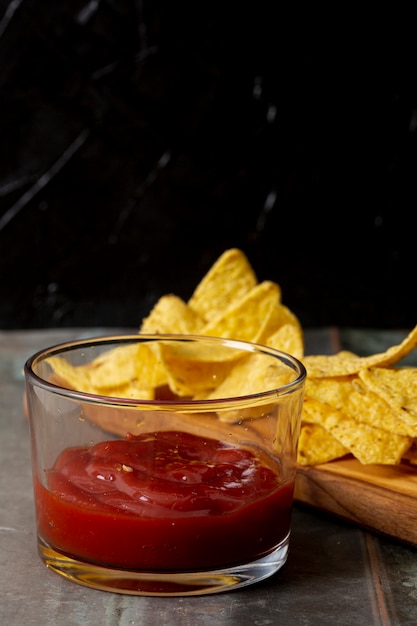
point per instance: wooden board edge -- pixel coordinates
(378, 509)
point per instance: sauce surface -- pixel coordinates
(163, 501)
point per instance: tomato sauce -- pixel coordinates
(163, 501)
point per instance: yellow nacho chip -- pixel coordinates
(344, 363)
(76, 377)
(251, 375)
(288, 338)
(350, 395)
(284, 315)
(366, 443)
(274, 318)
(193, 371)
(172, 315)
(135, 366)
(133, 390)
(114, 368)
(242, 380)
(229, 279)
(316, 445)
(398, 387)
(245, 319)
(132, 371)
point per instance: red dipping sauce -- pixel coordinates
(166, 501)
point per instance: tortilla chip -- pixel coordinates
(366, 443)
(193, 370)
(277, 315)
(350, 395)
(228, 280)
(288, 338)
(133, 390)
(172, 315)
(316, 445)
(398, 387)
(70, 376)
(253, 374)
(344, 363)
(132, 371)
(114, 368)
(245, 319)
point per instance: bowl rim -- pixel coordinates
(32, 378)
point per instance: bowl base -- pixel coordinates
(163, 583)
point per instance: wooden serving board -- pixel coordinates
(380, 498)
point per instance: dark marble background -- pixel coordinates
(140, 138)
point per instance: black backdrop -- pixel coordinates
(139, 139)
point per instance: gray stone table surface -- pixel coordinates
(336, 573)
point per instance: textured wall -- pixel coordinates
(141, 139)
